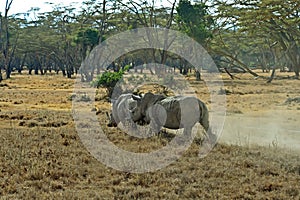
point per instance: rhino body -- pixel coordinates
(171, 112)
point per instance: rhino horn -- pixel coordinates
(136, 98)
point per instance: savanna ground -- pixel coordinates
(42, 157)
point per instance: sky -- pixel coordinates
(21, 6)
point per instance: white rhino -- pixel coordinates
(120, 109)
(173, 112)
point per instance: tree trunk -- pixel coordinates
(8, 72)
(297, 73)
(198, 75)
(6, 44)
(242, 65)
(64, 72)
(36, 70)
(69, 74)
(272, 76)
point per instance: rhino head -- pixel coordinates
(139, 112)
(136, 108)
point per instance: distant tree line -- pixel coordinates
(241, 35)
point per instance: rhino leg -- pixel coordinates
(212, 138)
(154, 128)
(112, 122)
(204, 116)
(187, 131)
(205, 125)
(157, 117)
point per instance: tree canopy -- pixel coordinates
(261, 34)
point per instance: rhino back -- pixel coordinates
(181, 111)
(149, 100)
(171, 106)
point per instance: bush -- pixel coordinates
(109, 79)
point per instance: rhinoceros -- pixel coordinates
(173, 112)
(120, 109)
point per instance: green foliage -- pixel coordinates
(88, 37)
(109, 79)
(261, 33)
(235, 32)
(194, 20)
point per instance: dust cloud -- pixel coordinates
(277, 129)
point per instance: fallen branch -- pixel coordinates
(231, 75)
(272, 76)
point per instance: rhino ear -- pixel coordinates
(148, 95)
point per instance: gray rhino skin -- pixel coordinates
(171, 112)
(121, 109)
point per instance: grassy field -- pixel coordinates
(42, 157)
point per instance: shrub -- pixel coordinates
(109, 80)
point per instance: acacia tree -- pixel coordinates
(5, 39)
(94, 27)
(148, 14)
(195, 21)
(63, 38)
(56, 42)
(260, 24)
(39, 43)
(45, 42)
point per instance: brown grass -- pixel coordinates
(42, 157)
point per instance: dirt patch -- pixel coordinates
(275, 129)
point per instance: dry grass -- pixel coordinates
(42, 157)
